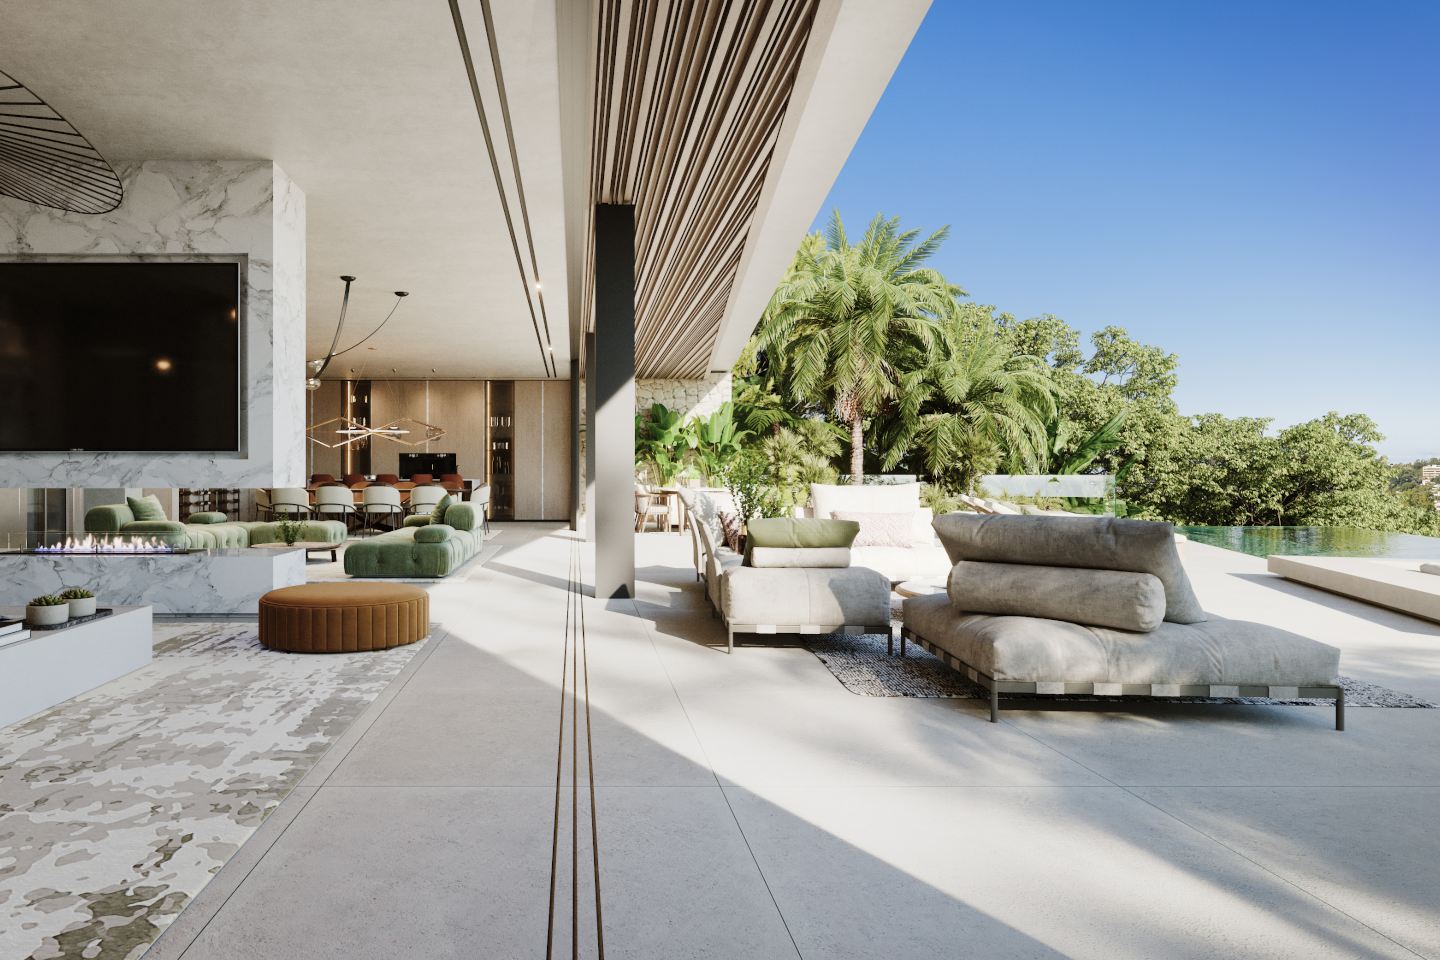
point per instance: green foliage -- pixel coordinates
(833, 328)
(715, 439)
(48, 600)
(660, 443)
(745, 477)
(289, 530)
(76, 593)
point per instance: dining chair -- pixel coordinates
(649, 506)
(452, 481)
(350, 479)
(336, 503)
(421, 479)
(381, 503)
(423, 499)
(480, 498)
(387, 478)
(291, 502)
(316, 479)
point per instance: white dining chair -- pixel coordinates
(290, 502)
(480, 499)
(423, 499)
(379, 504)
(335, 503)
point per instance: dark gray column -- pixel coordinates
(589, 437)
(576, 491)
(612, 431)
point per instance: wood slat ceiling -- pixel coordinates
(690, 97)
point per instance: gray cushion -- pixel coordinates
(1096, 543)
(1029, 649)
(1105, 598)
(853, 596)
(1430, 568)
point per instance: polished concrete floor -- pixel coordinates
(748, 806)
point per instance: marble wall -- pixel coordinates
(227, 208)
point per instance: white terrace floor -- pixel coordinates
(750, 807)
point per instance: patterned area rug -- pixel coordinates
(863, 667)
(117, 807)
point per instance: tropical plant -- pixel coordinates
(660, 443)
(715, 439)
(745, 476)
(793, 461)
(76, 593)
(974, 409)
(842, 314)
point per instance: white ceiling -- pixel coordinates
(367, 106)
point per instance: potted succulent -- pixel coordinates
(80, 601)
(47, 611)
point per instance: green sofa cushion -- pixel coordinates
(207, 516)
(438, 514)
(461, 516)
(109, 518)
(433, 533)
(416, 520)
(146, 508)
(795, 532)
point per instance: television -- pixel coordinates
(123, 356)
(435, 464)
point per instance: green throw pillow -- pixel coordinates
(146, 508)
(798, 532)
(438, 514)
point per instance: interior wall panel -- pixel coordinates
(529, 440)
(324, 404)
(555, 474)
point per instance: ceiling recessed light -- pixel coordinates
(164, 365)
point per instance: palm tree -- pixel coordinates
(976, 407)
(844, 311)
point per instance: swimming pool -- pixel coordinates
(1317, 542)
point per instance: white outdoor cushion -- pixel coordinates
(869, 498)
(800, 557)
(852, 596)
(918, 562)
(880, 529)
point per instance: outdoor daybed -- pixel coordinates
(1102, 606)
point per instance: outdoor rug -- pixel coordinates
(117, 807)
(863, 667)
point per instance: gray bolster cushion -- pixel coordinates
(1093, 543)
(1099, 598)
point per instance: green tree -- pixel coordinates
(845, 311)
(973, 408)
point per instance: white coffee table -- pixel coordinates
(919, 588)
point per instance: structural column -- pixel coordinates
(589, 436)
(611, 433)
(576, 491)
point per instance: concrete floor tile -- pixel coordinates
(1370, 851)
(1073, 873)
(396, 872)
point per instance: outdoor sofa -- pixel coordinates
(797, 578)
(895, 536)
(1099, 606)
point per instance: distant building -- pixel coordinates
(1430, 473)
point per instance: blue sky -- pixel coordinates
(1253, 186)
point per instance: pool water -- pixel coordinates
(1317, 542)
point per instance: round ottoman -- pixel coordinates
(343, 617)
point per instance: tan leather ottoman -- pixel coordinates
(343, 617)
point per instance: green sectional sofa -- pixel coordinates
(205, 531)
(429, 550)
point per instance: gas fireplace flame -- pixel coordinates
(92, 544)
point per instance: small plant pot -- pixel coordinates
(47, 616)
(84, 607)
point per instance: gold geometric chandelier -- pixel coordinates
(351, 431)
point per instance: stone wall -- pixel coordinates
(689, 397)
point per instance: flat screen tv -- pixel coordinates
(435, 464)
(138, 356)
